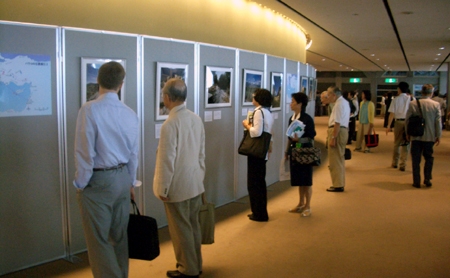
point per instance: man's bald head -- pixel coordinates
(175, 89)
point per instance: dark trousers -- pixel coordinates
(419, 148)
(351, 129)
(256, 185)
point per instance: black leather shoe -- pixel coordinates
(427, 183)
(257, 219)
(176, 273)
(335, 189)
(416, 185)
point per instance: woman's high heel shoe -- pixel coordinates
(306, 213)
(297, 209)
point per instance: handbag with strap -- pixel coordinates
(347, 154)
(306, 156)
(207, 221)
(371, 139)
(416, 123)
(255, 146)
(143, 241)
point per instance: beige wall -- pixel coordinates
(235, 23)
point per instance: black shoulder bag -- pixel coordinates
(416, 123)
(257, 146)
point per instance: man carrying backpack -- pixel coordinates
(423, 145)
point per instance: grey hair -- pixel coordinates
(427, 89)
(176, 89)
(335, 90)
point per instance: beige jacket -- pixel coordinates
(180, 158)
(432, 114)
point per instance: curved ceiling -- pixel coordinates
(375, 35)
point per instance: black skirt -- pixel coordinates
(301, 175)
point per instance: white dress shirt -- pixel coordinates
(399, 106)
(340, 113)
(107, 134)
(180, 159)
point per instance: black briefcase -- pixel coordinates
(348, 154)
(143, 241)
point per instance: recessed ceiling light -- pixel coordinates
(436, 59)
(439, 54)
(441, 48)
(323, 59)
(378, 59)
(372, 55)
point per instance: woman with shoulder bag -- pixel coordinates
(301, 175)
(262, 120)
(366, 120)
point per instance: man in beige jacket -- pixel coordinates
(178, 180)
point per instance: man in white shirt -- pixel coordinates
(106, 160)
(398, 108)
(178, 180)
(337, 138)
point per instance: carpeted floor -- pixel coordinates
(380, 226)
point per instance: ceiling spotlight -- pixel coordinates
(441, 48)
(439, 54)
(323, 59)
(372, 55)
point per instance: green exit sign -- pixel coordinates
(355, 80)
(391, 80)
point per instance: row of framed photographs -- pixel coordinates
(218, 84)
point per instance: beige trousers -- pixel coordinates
(363, 129)
(185, 232)
(400, 153)
(336, 157)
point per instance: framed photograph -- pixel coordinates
(276, 88)
(304, 85)
(417, 90)
(314, 92)
(89, 73)
(218, 87)
(312, 88)
(252, 81)
(164, 72)
(291, 86)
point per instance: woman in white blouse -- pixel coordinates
(260, 121)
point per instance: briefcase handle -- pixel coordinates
(135, 208)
